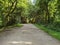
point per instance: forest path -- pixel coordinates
(27, 35)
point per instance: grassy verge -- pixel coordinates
(53, 33)
(16, 25)
(12, 26)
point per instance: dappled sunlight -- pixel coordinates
(24, 30)
(20, 42)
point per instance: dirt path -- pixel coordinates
(27, 35)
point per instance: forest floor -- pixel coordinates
(26, 35)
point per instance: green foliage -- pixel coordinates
(46, 12)
(51, 32)
(11, 11)
(18, 25)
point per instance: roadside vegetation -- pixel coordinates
(50, 31)
(44, 12)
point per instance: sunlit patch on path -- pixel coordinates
(20, 42)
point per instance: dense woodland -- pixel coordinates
(46, 12)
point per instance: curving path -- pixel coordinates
(27, 35)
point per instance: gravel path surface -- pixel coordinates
(27, 35)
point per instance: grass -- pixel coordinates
(12, 26)
(51, 32)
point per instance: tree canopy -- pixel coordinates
(29, 11)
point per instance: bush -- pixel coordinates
(57, 24)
